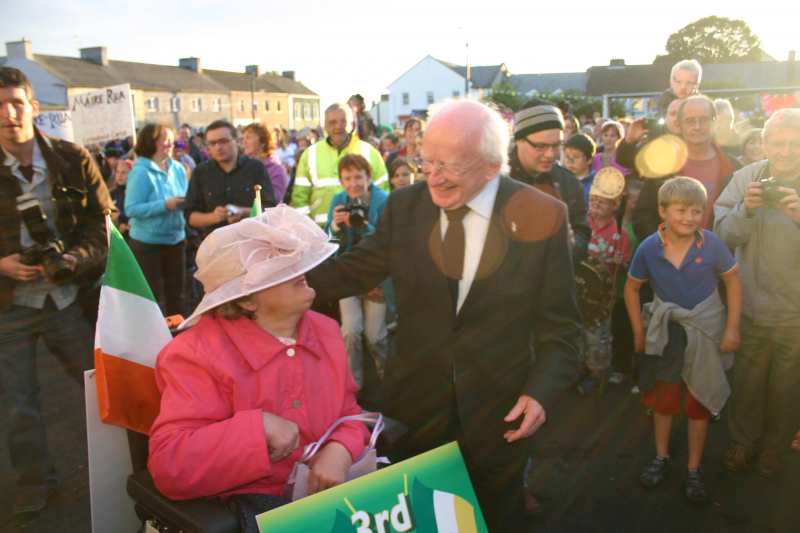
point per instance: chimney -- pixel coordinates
(255, 70)
(96, 54)
(192, 63)
(289, 74)
(792, 55)
(617, 63)
(19, 50)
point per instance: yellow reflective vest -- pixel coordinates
(317, 178)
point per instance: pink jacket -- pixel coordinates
(218, 377)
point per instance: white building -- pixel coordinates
(431, 81)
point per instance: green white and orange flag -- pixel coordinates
(130, 332)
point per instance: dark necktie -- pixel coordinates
(453, 246)
(27, 172)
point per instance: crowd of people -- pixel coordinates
(468, 230)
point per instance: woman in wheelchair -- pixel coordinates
(259, 376)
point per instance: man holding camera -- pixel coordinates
(222, 189)
(52, 237)
(758, 214)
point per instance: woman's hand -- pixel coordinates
(618, 257)
(340, 216)
(329, 467)
(173, 203)
(283, 436)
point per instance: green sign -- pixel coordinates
(430, 493)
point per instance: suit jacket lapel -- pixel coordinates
(495, 248)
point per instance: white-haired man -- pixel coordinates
(684, 81)
(762, 223)
(317, 178)
(479, 263)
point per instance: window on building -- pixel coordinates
(195, 105)
(266, 106)
(278, 107)
(241, 106)
(255, 106)
(175, 104)
(151, 104)
(405, 98)
(216, 105)
(298, 111)
(456, 95)
(315, 109)
(307, 111)
(430, 97)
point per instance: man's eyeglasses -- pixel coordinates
(691, 122)
(448, 170)
(221, 143)
(542, 147)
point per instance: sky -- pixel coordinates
(341, 48)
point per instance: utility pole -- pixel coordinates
(466, 82)
(252, 98)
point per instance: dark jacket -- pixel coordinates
(80, 195)
(564, 185)
(666, 98)
(524, 286)
(645, 216)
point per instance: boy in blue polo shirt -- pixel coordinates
(688, 342)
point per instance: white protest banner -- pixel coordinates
(57, 124)
(102, 115)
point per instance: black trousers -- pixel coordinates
(164, 268)
(499, 488)
(622, 345)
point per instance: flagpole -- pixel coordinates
(257, 188)
(107, 212)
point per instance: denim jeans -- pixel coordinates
(70, 337)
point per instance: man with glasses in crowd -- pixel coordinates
(539, 133)
(222, 189)
(763, 226)
(707, 163)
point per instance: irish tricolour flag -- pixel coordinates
(130, 332)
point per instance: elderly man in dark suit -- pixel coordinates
(479, 263)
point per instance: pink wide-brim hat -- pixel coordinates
(257, 253)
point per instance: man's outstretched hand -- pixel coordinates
(533, 419)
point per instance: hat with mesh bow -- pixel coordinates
(257, 253)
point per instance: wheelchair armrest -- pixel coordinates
(192, 516)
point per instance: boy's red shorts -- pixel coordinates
(665, 398)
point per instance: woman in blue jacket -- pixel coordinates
(154, 196)
(362, 316)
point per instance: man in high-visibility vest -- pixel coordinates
(317, 178)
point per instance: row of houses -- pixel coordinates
(433, 80)
(186, 93)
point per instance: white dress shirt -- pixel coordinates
(476, 227)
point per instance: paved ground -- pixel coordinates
(586, 464)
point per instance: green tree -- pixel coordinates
(713, 40)
(505, 94)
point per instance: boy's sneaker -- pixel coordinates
(617, 378)
(588, 385)
(635, 390)
(655, 472)
(695, 486)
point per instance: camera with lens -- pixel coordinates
(770, 194)
(48, 249)
(359, 213)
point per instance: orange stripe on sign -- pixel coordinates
(127, 392)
